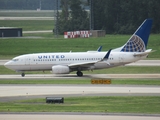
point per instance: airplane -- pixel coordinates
(65, 62)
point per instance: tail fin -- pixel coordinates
(139, 40)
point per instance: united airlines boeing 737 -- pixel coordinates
(63, 63)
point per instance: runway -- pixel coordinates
(30, 90)
(52, 116)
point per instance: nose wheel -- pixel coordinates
(23, 74)
(79, 74)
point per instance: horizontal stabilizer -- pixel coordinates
(144, 53)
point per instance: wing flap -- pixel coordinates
(82, 64)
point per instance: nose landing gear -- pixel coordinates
(22, 74)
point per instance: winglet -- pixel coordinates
(99, 49)
(107, 55)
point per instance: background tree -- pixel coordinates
(73, 19)
(123, 16)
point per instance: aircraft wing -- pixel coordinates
(144, 53)
(87, 64)
(82, 64)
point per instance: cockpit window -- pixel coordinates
(15, 60)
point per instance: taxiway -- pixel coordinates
(69, 116)
(28, 90)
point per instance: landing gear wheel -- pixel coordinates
(79, 73)
(23, 74)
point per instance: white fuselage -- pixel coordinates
(45, 61)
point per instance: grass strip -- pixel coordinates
(13, 46)
(127, 104)
(84, 81)
(26, 13)
(29, 25)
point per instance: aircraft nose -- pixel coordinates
(8, 64)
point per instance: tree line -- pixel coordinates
(113, 16)
(124, 16)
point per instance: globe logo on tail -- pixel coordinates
(134, 44)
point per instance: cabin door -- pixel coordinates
(27, 63)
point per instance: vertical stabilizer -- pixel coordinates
(139, 40)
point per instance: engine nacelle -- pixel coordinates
(60, 69)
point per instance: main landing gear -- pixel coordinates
(79, 74)
(22, 74)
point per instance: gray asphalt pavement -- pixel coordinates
(75, 116)
(31, 90)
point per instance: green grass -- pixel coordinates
(83, 81)
(26, 13)
(29, 25)
(147, 105)
(14, 46)
(137, 82)
(31, 45)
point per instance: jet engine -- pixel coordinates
(60, 69)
